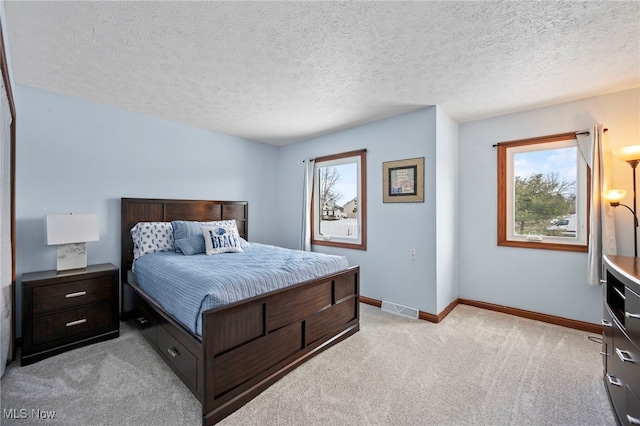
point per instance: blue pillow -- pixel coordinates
(183, 229)
(191, 245)
(188, 228)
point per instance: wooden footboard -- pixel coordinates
(251, 344)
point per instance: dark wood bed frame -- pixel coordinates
(248, 345)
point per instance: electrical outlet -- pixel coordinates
(412, 254)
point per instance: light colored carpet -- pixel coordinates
(476, 367)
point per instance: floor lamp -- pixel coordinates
(630, 154)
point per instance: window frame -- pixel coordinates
(361, 244)
(505, 171)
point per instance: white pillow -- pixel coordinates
(151, 237)
(223, 238)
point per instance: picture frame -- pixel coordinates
(403, 181)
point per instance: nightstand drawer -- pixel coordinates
(63, 311)
(74, 293)
(49, 328)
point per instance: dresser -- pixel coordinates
(621, 336)
(63, 311)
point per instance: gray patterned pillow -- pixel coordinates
(151, 237)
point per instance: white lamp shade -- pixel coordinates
(71, 228)
(628, 153)
(614, 195)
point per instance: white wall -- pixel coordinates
(545, 281)
(392, 228)
(82, 157)
(5, 39)
(446, 190)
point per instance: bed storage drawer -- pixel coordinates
(180, 359)
(146, 323)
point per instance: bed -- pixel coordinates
(245, 346)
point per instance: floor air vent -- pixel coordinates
(396, 309)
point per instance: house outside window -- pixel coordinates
(339, 200)
(543, 194)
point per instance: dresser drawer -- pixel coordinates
(55, 297)
(180, 359)
(52, 327)
(632, 315)
(626, 361)
(632, 416)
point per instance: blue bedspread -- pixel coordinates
(186, 286)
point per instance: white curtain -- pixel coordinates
(5, 229)
(602, 237)
(307, 190)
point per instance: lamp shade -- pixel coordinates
(71, 228)
(614, 195)
(628, 153)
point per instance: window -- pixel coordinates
(543, 194)
(339, 203)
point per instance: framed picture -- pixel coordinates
(403, 181)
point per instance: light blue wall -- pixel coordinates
(392, 228)
(82, 157)
(550, 282)
(78, 156)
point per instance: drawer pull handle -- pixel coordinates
(173, 352)
(624, 356)
(604, 353)
(633, 420)
(76, 294)
(606, 323)
(614, 380)
(142, 320)
(620, 293)
(603, 281)
(78, 322)
(630, 315)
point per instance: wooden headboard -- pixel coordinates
(136, 210)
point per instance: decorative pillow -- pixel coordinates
(191, 245)
(151, 237)
(188, 228)
(221, 239)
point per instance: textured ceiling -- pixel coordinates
(279, 72)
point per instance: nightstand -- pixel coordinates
(63, 311)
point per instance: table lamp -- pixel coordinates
(70, 232)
